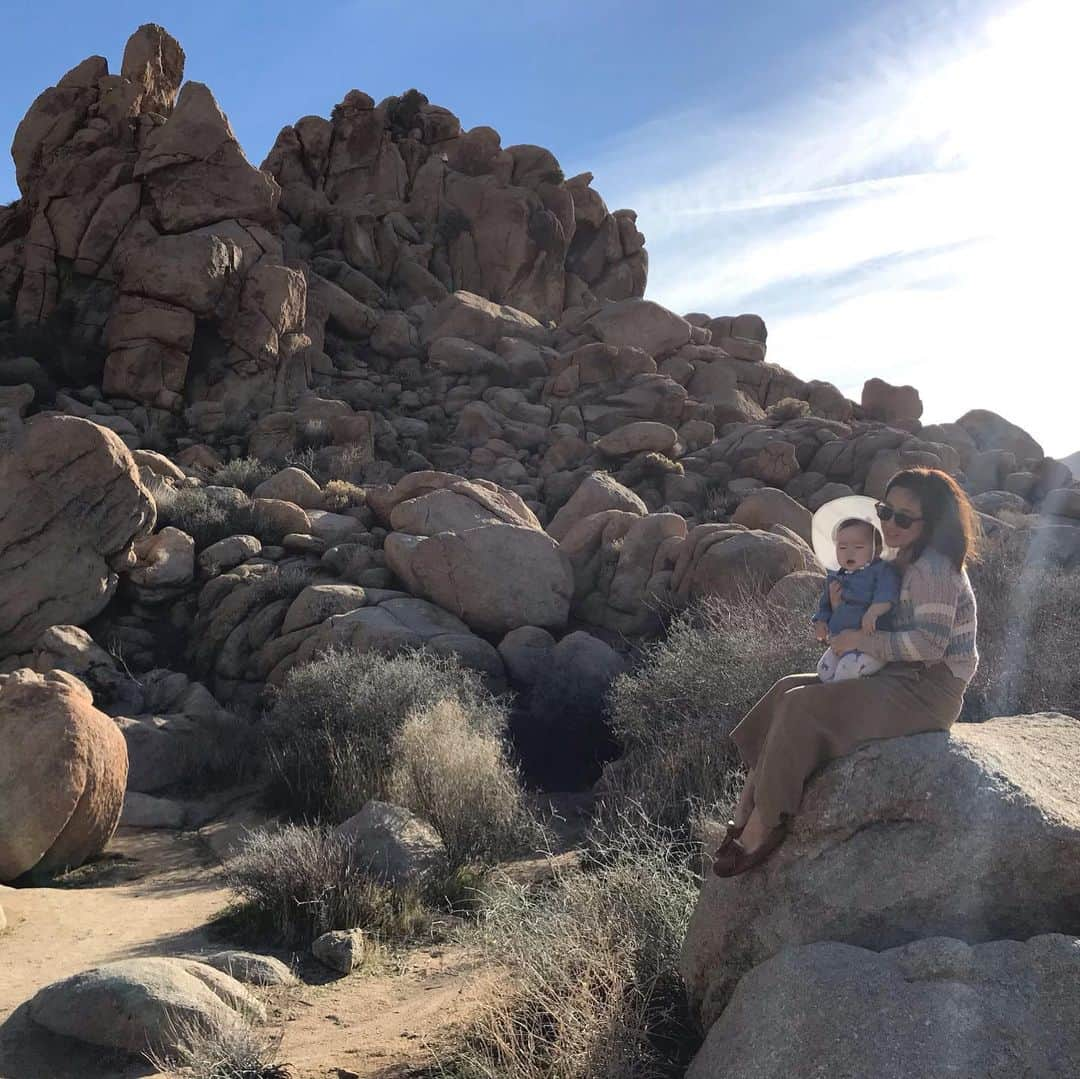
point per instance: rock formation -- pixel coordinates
(143, 1004)
(903, 840)
(62, 774)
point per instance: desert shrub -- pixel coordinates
(203, 1049)
(455, 773)
(305, 459)
(221, 752)
(1029, 635)
(313, 435)
(340, 495)
(243, 472)
(300, 882)
(333, 724)
(592, 985)
(674, 713)
(201, 516)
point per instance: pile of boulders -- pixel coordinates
(928, 894)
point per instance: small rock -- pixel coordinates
(224, 555)
(341, 949)
(252, 968)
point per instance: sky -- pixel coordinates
(891, 185)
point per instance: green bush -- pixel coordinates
(592, 989)
(333, 725)
(244, 472)
(674, 713)
(455, 773)
(295, 884)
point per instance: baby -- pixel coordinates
(869, 588)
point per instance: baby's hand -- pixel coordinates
(836, 594)
(821, 631)
(869, 622)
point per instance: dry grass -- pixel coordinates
(300, 882)
(246, 473)
(592, 986)
(333, 726)
(238, 1050)
(673, 715)
(1029, 636)
(341, 495)
(203, 518)
(455, 773)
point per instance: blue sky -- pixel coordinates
(891, 185)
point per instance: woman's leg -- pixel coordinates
(817, 723)
(745, 807)
(749, 735)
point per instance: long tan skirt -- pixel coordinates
(801, 723)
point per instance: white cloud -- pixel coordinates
(915, 220)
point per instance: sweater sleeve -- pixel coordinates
(933, 598)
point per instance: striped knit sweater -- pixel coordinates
(934, 620)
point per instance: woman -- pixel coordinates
(930, 657)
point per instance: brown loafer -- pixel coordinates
(733, 832)
(736, 859)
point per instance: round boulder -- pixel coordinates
(71, 507)
(138, 1004)
(63, 771)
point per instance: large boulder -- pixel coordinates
(990, 431)
(466, 315)
(71, 507)
(393, 844)
(728, 561)
(494, 578)
(935, 1007)
(973, 834)
(765, 507)
(195, 172)
(140, 1004)
(642, 323)
(599, 491)
(63, 770)
(892, 404)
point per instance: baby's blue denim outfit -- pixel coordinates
(878, 582)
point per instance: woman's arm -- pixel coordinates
(934, 598)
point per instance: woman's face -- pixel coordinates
(907, 504)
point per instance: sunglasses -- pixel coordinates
(903, 520)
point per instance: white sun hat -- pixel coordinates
(828, 519)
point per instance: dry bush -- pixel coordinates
(300, 882)
(201, 516)
(243, 472)
(674, 713)
(340, 495)
(207, 1050)
(593, 990)
(1029, 635)
(333, 725)
(455, 773)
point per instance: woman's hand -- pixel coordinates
(848, 640)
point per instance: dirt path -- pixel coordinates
(154, 895)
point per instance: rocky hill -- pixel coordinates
(399, 386)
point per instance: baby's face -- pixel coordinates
(855, 546)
